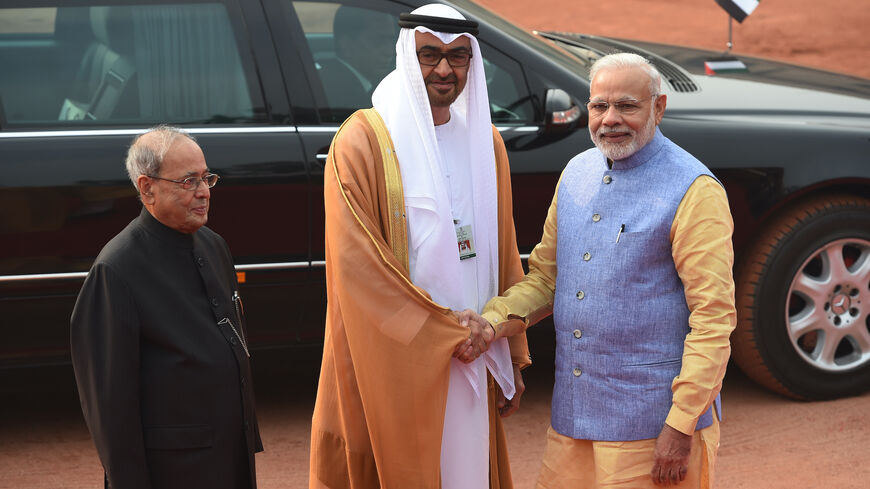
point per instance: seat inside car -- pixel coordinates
(105, 83)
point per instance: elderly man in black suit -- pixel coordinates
(158, 335)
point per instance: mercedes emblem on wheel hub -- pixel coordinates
(841, 304)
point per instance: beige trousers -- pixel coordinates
(585, 464)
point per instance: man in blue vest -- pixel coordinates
(640, 287)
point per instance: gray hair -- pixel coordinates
(144, 157)
(629, 60)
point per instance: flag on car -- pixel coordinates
(725, 64)
(739, 9)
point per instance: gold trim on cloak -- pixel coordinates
(395, 195)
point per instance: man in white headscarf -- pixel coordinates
(419, 236)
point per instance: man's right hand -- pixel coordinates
(481, 334)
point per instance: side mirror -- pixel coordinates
(562, 112)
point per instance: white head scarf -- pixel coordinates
(402, 101)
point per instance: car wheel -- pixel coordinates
(803, 298)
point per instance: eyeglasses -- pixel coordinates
(192, 182)
(630, 106)
(433, 57)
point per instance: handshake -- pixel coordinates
(481, 335)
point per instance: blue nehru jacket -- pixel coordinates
(620, 309)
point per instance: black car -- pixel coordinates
(258, 84)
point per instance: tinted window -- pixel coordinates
(353, 46)
(27, 21)
(509, 98)
(106, 64)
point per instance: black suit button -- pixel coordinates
(233, 340)
(200, 261)
(215, 302)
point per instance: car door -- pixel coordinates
(80, 80)
(329, 92)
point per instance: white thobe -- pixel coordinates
(465, 439)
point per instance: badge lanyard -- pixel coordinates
(464, 233)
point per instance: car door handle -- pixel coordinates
(320, 158)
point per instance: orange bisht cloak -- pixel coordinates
(382, 394)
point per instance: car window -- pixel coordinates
(509, 97)
(71, 66)
(27, 21)
(352, 46)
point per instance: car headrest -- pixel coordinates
(112, 27)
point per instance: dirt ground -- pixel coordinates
(767, 441)
(829, 34)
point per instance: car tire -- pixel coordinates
(803, 298)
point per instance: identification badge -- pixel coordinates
(465, 239)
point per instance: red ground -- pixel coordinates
(768, 442)
(829, 34)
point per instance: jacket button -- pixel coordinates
(580, 295)
(596, 217)
(587, 256)
(607, 179)
(200, 261)
(577, 372)
(233, 340)
(577, 333)
(215, 302)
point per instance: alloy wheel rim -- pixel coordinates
(827, 312)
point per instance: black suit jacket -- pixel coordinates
(164, 380)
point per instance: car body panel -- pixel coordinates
(772, 135)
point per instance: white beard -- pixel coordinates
(620, 151)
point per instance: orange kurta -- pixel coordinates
(379, 413)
